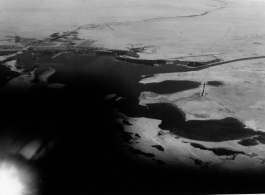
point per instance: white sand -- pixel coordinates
(12, 65)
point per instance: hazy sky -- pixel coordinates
(42, 4)
(39, 18)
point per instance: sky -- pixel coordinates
(39, 18)
(42, 4)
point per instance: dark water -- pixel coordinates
(253, 141)
(211, 130)
(160, 148)
(214, 83)
(2, 53)
(261, 139)
(126, 122)
(248, 142)
(87, 157)
(217, 151)
(115, 77)
(197, 161)
(23, 62)
(6, 75)
(167, 87)
(136, 151)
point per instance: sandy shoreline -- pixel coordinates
(239, 96)
(177, 151)
(19, 84)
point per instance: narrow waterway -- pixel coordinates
(103, 75)
(85, 148)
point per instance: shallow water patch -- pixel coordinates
(214, 83)
(217, 151)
